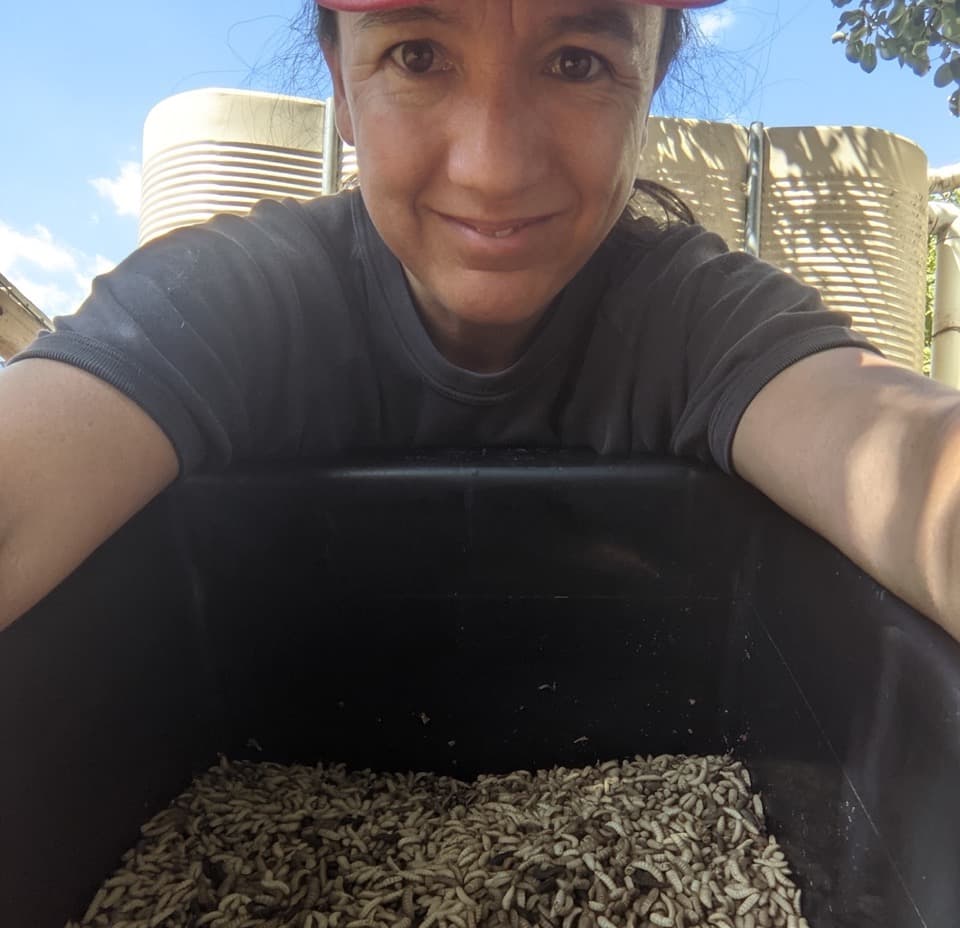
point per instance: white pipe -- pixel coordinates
(945, 344)
(757, 151)
(331, 150)
(943, 180)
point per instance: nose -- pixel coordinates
(498, 143)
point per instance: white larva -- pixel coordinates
(627, 838)
(748, 903)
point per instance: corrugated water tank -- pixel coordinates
(220, 151)
(844, 208)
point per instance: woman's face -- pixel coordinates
(497, 142)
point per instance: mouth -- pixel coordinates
(496, 230)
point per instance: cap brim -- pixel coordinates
(363, 6)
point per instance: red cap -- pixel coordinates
(360, 6)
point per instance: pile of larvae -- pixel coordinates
(672, 841)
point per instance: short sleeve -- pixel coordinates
(741, 321)
(203, 329)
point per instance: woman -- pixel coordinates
(486, 286)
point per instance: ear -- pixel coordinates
(331, 55)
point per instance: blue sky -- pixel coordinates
(79, 79)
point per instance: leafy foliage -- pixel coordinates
(923, 35)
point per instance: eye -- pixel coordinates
(419, 57)
(576, 64)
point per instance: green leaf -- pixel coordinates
(918, 64)
(944, 75)
(888, 49)
(898, 13)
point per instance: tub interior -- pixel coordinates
(483, 613)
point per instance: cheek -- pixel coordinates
(393, 155)
(607, 157)
(632, 140)
(630, 160)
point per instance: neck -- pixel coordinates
(485, 348)
(480, 348)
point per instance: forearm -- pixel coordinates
(78, 459)
(907, 534)
(867, 455)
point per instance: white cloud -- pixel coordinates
(713, 22)
(123, 191)
(50, 273)
(36, 247)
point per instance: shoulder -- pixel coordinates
(654, 250)
(292, 225)
(278, 242)
(689, 264)
(287, 221)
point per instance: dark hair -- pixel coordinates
(676, 31)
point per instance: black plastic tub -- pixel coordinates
(323, 612)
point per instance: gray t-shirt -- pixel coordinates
(291, 333)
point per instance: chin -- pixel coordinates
(496, 302)
(493, 313)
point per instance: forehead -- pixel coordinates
(625, 22)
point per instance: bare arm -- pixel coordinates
(868, 455)
(77, 460)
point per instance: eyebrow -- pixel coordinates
(407, 14)
(609, 21)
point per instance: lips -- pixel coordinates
(498, 233)
(498, 230)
